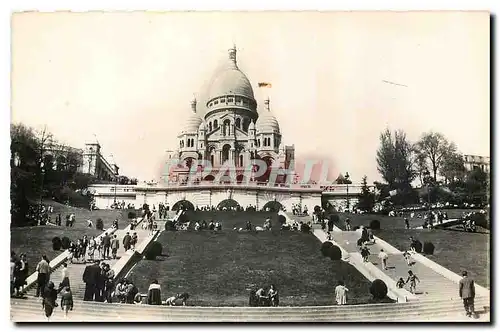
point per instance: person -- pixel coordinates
(66, 301)
(91, 249)
(412, 279)
(20, 281)
(154, 293)
(12, 275)
(98, 247)
(260, 294)
(347, 224)
(64, 278)
(407, 223)
(341, 293)
(49, 297)
(170, 301)
(133, 241)
(407, 256)
(413, 245)
(400, 283)
(197, 226)
(91, 278)
(109, 283)
(365, 253)
(121, 290)
(43, 269)
(106, 243)
(126, 241)
(273, 296)
(383, 258)
(467, 292)
(184, 297)
(115, 245)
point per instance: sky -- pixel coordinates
(127, 79)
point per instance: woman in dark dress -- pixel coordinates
(154, 293)
(49, 299)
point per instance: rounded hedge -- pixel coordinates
(99, 224)
(375, 224)
(305, 228)
(170, 226)
(480, 219)
(418, 246)
(325, 246)
(132, 215)
(334, 253)
(378, 289)
(56, 243)
(154, 251)
(356, 228)
(65, 242)
(429, 248)
(281, 219)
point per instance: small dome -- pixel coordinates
(202, 126)
(251, 126)
(267, 123)
(192, 123)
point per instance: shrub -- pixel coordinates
(286, 228)
(325, 246)
(428, 248)
(334, 253)
(56, 243)
(375, 224)
(418, 246)
(480, 219)
(169, 226)
(65, 242)
(99, 224)
(355, 228)
(132, 215)
(305, 228)
(334, 218)
(317, 209)
(282, 219)
(154, 251)
(378, 289)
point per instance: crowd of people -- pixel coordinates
(19, 272)
(264, 297)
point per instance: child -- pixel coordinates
(365, 253)
(329, 236)
(412, 278)
(407, 256)
(170, 301)
(66, 301)
(400, 283)
(184, 297)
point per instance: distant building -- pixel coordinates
(472, 162)
(87, 161)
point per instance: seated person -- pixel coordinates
(218, 226)
(154, 293)
(400, 283)
(273, 296)
(184, 297)
(197, 226)
(211, 226)
(170, 301)
(261, 296)
(248, 226)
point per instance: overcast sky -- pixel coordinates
(128, 78)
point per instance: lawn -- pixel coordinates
(220, 268)
(455, 250)
(387, 222)
(36, 241)
(231, 219)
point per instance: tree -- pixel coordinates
(395, 160)
(367, 198)
(433, 148)
(452, 168)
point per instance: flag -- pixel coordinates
(265, 85)
(393, 192)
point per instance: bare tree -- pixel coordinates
(433, 147)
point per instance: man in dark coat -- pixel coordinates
(126, 241)
(330, 225)
(91, 277)
(467, 292)
(106, 243)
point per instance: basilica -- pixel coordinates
(230, 128)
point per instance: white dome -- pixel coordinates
(267, 123)
(192, 123)
(251, 126)
(230, 81)
(202, 126)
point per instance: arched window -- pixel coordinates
(238, 123)
(210, 126)
(212, 160)
(225, 153)
(216, 125)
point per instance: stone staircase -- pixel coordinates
(29, 310)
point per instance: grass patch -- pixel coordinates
(455, 250)
(220, 268)
(36, 241)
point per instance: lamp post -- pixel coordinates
(428, 183)
(347, 187)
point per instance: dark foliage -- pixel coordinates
(418, 246)
(169, 226)
(99, 224)
(65, 242)
(281, 219)
(429, 248)
(378, 289)
(334, 253)
(305, 228)
(334, 218)
(324, 248)
(132, 215)
(375, 224)
(154, 250)
(56, 243)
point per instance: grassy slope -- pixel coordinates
(455, 250)
(219, 268)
